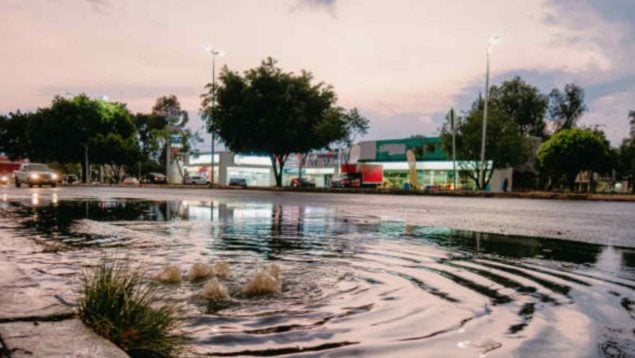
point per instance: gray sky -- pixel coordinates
(402, 62)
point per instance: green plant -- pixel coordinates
(116, 304)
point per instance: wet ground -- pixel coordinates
(367, 280)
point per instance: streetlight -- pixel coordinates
(493, 40)
(214, 53)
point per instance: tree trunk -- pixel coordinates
(277, 162)
(85, 166)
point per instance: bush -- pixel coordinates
(116, 305)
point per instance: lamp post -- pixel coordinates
(493, 40)
(214, 53)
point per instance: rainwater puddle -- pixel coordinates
(350, 285)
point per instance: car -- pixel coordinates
(35, 174)
(71, 179)
(5, 179)
(304, 183)
(131, 181)
(241, 182)
(154, 178)
(340, 182)
(196, 180)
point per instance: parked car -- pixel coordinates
(71, 179)
(304, 183)
(35, 174)
(196, 180)
(4, 179)
(340, 182)
(131, 181)
(154, 178)
(241, 182)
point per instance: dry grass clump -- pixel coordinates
(265, 282)
(116, 304)
(222, 270)
(170, 274)
(215, 291)
(199, 272)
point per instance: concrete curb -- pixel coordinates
(34, 324)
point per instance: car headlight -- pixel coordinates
(35, 176)
(54, 176)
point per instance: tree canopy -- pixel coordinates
(567, 106)
(522, 103)
(571, 151)
(505, 145)
(269, 111)
(71, 129)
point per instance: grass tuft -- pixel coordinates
(118, 306)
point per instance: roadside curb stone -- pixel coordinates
(34, 324)
(67, 338)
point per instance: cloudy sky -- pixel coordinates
(403, 63)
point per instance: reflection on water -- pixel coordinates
(351, 285)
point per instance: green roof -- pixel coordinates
(424, 148)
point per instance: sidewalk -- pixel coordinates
(33, 324)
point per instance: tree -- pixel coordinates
(355, 125)
(522, 103)
(14, 136)
(277, 113)
(572, 151)
(566, 107)
(505, 145)
(72, 129)
(626, 160)
(631, 115)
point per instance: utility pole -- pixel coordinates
(453, 123)
(214, 53)
(490, 44)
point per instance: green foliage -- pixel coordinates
(571, 151)
(266, 110)
(626, 161)
(116, 305)
(355, 125)
(522, 103)
(566, 107)
(15, 141)
(505, 145)
(72, 130)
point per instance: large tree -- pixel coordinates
(505, 146)
(572, 151)
(355, 126)
(522, 103)
(73, 129)
(15, 141)
(567, 106)
(269, 111)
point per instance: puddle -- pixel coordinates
(350, 285)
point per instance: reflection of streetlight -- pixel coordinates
(493, 40)
(214, 53)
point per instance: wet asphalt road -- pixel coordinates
(609, 223)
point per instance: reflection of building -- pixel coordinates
(434, 168)
(256, 170)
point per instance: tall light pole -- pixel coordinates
(453, 124)
(214, 53)
(493, 40)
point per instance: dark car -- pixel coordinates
(304, 183)
(241, 182)
(340, 182)
(71, 179)
(154, 178)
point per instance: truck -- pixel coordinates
(35, 174)
(363, 175)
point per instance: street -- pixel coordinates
(608, 223)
